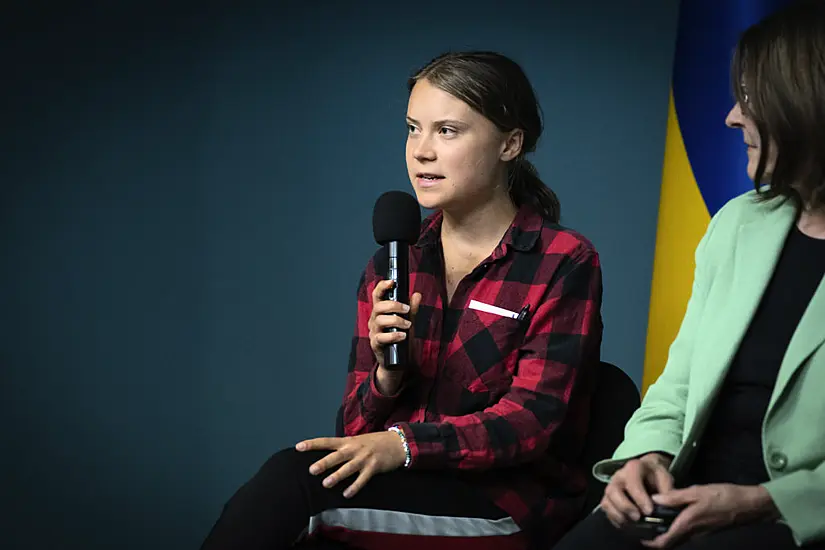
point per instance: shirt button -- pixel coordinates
(777, 461)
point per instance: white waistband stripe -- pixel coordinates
(404, 523)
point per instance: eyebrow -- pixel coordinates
(442, 122)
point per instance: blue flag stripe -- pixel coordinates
(707, 36)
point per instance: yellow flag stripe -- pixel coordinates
(683, 219)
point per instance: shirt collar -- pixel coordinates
(522, 234)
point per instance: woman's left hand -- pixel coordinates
(368, 454)
(712, 507)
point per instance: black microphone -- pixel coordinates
(396, 222)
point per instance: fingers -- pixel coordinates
(386, 321)
(691, 519)
(627, 492)
(385, 338)
(660, 479)
(329, 461)
(387, 307)
(320, 444)
(640, 497)
(612, 514)
(624, 509)
(415, 302)
(682, 497)
(684, 525)
(380, 290)
(366, 474)
(387, 314)
(361, 464)
(637, 472)
(353, 464)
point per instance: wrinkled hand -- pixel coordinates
(712, 507)
(368, 454)
(627, 496)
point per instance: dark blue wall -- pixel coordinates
(185, 208)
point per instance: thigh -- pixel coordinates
(595, 532)
(418, 492)
(775, 536)
(283, 503)
(406, 509)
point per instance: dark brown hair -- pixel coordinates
(778, 78)
(496, 87)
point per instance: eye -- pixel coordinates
(447, 131)
(411, 129)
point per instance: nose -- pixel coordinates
(423, 150)
(735, 117)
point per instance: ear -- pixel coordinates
(513, 142)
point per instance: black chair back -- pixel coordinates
(615, 399)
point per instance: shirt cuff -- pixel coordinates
(411, 443)
(426, 442)
(376, 402)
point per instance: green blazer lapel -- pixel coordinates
(809, 335)
(759, 243)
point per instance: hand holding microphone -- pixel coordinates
(388, 322)
(396, 223)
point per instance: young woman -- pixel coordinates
(735, 421)
(477, 444)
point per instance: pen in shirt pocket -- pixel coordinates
(520, 316)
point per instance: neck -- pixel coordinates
(481, 224)
(812, 223)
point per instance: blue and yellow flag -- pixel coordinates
(705, 162)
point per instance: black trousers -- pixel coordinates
(283, 502)
(597, 533)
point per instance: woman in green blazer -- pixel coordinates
(732, 434)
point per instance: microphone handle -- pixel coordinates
(396, 355)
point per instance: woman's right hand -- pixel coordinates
(627, 496)
(386, 314)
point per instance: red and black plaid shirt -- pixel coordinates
(500, 401)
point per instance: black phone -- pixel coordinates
(650, 526)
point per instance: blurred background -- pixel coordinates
(186, 195)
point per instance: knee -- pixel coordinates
(283, 472)
(288, 464)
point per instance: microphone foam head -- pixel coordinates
(396, 217)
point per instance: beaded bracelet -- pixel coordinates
(407, 453)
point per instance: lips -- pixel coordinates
(429, 176)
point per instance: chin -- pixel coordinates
(752, 165)
(428, 201)
(428, 198)
(752, 174)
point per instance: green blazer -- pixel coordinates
(734, 262)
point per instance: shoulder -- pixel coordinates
(558, 240)
(558, 254)
(742, 210)
(749, 207)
